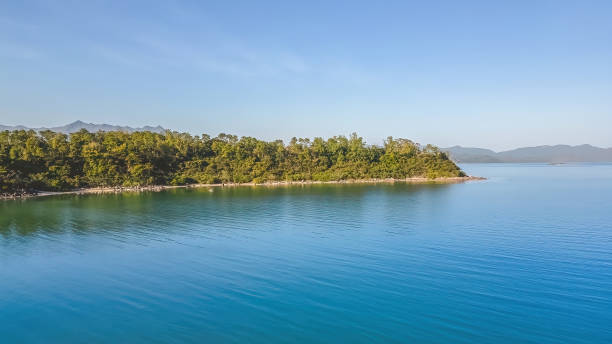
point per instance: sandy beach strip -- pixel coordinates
(155, 188)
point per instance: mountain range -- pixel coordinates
(541, 154)
(91, 127)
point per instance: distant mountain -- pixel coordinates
(548, 154)
(467, 154)
(91, 127)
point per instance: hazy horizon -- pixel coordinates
(286, 139)
(477, 74)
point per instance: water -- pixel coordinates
(524, 257)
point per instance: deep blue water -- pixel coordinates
(524, 257)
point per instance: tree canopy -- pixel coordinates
(54, 161)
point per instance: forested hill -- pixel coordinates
(55, 161)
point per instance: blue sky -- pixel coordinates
(475, 73)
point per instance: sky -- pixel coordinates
(493, 74)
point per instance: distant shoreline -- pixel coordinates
(157, 188)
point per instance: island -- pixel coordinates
(47, 162)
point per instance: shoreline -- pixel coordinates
(158, 188)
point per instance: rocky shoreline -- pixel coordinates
(157, 188)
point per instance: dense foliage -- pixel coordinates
(56, 161)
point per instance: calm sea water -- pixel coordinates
(524, 257)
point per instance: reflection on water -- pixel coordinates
(522, 257)
(146, 210)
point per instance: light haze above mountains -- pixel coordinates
(91, 127)
(539, 154)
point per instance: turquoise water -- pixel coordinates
(524, 257)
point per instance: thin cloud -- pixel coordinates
(222, 55)
(119, 57)
(17, 51)
(212, 54)
(19, 25)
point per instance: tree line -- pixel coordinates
(55, 161)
